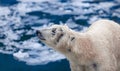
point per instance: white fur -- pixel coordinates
(97, 49)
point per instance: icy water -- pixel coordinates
(20, 49)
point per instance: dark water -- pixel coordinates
(7, 62)
(20, 49)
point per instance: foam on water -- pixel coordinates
(17, 27)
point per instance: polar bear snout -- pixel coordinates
(40, 35)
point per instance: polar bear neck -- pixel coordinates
(79, 44)
(82, 48)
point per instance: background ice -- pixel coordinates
(19, 22)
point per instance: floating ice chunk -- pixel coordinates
(35, 57)
(11, 35)
(44, 57)
(105, 5)
(71, 24)
(5, 52)
(80, 17)
(6, 11)
(21, 55)
(30, 44)
(93, 19)
(79, 3)
(38, 0)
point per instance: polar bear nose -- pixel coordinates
(38, 32)
(40, 35)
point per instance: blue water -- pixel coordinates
(7, 62)
(20, 49)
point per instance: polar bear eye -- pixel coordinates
(69, 50)
(54, 31)
(72, 38)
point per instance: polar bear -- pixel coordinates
(97, 49)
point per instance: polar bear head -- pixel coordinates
(60, 37)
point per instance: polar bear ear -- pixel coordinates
(66, 25)
(50, 24)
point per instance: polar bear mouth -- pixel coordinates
(39, 34)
